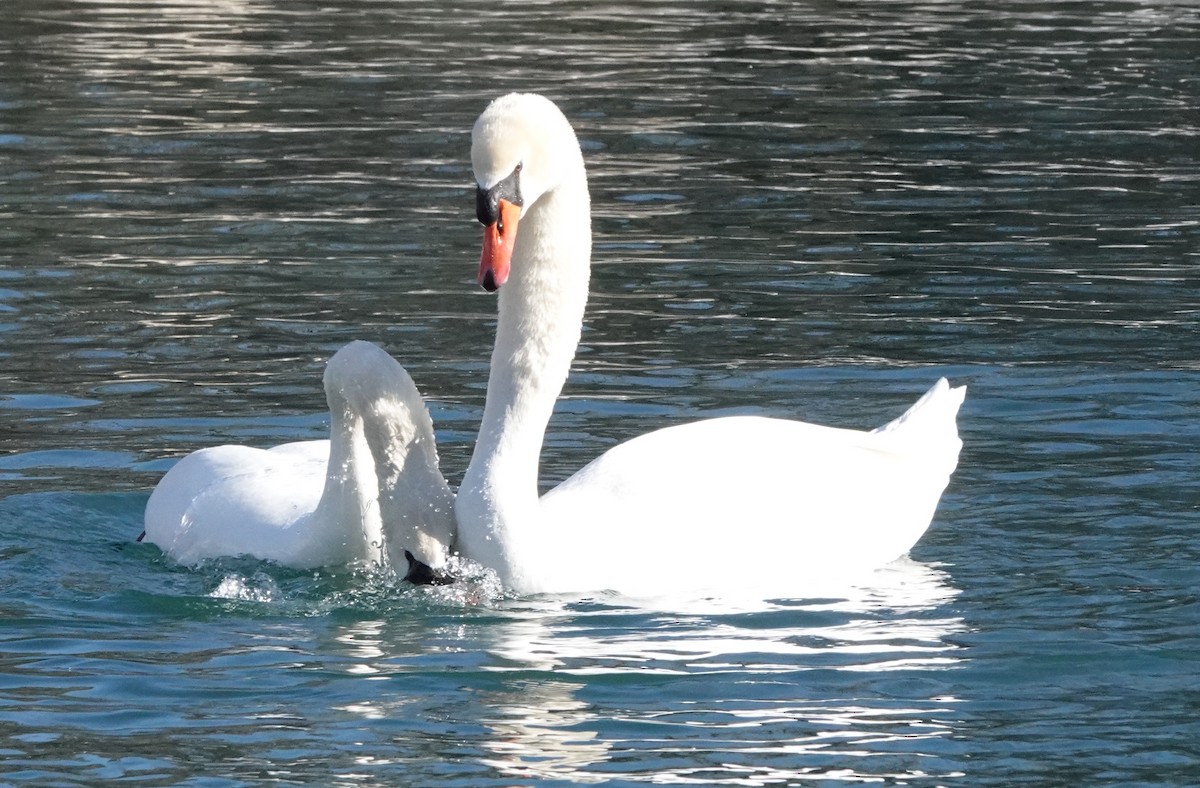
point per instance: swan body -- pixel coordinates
(735, 504)
(370, 492)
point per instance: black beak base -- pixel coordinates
(422, 574)
(487, 201)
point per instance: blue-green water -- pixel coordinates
(802, 209)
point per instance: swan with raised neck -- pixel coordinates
(541, 302)
(737, 503)
(370, 492)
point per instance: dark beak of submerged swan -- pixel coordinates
(422, 574)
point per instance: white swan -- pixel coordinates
(739, 504)
(370, 492)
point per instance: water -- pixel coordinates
(807, 209)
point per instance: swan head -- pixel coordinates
(521, 148)
(361, 375)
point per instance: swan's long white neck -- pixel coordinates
(415, 503)
(351, 486)
(541, 314)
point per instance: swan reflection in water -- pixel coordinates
(745, 691)
(702, 691)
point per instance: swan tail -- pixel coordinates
(936, 407)
(929, 426)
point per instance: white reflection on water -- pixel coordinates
(363, 641)
(758, 658)
(541, 730)
(870, 618)
(700, 691)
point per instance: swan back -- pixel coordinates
(745, 503)
(240, 500)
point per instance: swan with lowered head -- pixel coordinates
(369, 493)
(735, 504)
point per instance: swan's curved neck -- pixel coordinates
(351, 485)
(541, 314)
(415, 503)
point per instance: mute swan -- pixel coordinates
(371, 492)
(718, 506)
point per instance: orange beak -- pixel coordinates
(498, 240)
